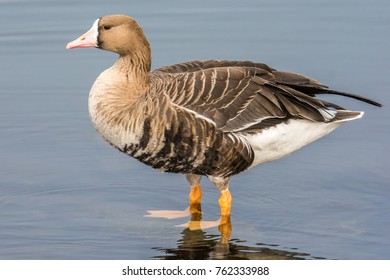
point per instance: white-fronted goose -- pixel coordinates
(202, 118)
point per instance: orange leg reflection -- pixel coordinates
(195, 212)
(225, 228)
(223, 223)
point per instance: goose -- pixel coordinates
(213, 118)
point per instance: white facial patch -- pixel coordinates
(95, 30)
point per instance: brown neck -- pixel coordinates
(136, 65)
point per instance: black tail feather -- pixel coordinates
(312, 91)
(351, 95)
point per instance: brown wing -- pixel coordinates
(287, 80)
(237, 98)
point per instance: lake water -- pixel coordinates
(66, 194)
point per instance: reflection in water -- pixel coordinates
(196, 244)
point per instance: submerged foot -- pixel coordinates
(168, 214)
(199, 225)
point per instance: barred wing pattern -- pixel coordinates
(240, 98)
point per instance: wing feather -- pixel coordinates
(240, 95)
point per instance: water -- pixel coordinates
(66, 194)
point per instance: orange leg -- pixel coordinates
(225, 203)
(195, 198)
(195, 194)
(225, 226)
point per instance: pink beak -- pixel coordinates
(87, 40)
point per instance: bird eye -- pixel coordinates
(107, 27)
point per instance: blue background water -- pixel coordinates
(66, 194)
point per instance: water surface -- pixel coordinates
(66, 194)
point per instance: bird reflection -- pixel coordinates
(196, 244)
